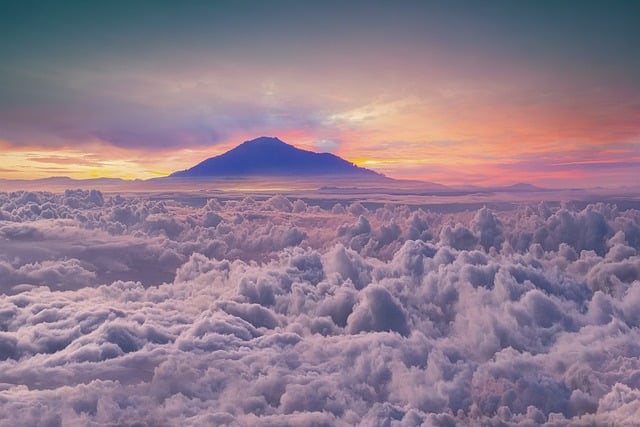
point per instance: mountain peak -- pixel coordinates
(263, 143)
(270, 156)
(264, 140)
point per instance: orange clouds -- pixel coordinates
(460, 131)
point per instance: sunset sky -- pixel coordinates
(478, 92)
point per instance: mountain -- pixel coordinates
(266, 156)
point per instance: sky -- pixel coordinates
(455, 92)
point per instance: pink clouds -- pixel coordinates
(121, 309)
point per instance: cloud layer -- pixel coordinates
(269, 311)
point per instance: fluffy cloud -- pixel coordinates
(182, 311)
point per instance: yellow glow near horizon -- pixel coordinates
(72, 163)
(445, 164)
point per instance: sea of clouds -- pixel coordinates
(186, 311)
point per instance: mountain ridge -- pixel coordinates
(270, 156)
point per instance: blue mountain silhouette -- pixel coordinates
(266, 156)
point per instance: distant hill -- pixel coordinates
(520, 187)
(267, 156)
